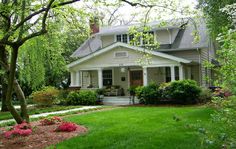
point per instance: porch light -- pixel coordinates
(122, 69)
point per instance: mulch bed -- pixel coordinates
(41, 137)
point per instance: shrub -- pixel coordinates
(23, 129)
(45, 97)
(164, 91)
(50, 121)
(223, 116)
(205, 95)
(62, 97)
(83, 97)
(100, 91)
(184, 91)
(67, 127)
(132, 90)
(148, 94)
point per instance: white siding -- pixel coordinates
(107, 40)
(107, 60)
(187, 54)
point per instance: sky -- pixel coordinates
(127, 14)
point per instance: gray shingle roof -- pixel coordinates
(183, 41)
(89, 46)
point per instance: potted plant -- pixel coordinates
(100, 93)
(132, 90)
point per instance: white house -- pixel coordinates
(108, 59)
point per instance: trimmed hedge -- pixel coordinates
(83, 97)
(183, 91)
(179, 92)
(148, 94)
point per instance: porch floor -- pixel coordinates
(118, 100)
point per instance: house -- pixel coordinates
(107, 57)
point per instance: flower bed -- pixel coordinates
(37, 135)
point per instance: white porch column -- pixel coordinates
(172, 71)
(181, 72)
(100, 81)
(72, 78)
(145, 79)
(78, 80)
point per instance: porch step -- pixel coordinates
(117, 101)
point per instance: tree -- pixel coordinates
(19, 28)
(216, 19)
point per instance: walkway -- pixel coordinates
(56, 112)
(118, 100)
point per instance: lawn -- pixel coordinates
(141, 127)
(37, 110)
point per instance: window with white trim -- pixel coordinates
(107, 77)
(148, 38)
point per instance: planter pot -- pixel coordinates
(101, 96)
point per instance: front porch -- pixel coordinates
(124, 77)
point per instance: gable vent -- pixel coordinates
(121, 54)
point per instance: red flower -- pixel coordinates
(67, 127)
(23, 129)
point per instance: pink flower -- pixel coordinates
(23, 129)
(67, 126)
(8, 134)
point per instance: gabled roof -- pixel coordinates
(89, 46)
(183, 39)
(119, 44)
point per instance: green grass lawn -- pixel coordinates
(141, 127)
(37, 110)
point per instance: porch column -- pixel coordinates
(100, 82)
(181, 72)
(145, 79)
(72, 78)
(78, 80)
(172, 71)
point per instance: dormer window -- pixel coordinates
(122, 38)
(147, 38)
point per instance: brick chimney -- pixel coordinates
(94, 25)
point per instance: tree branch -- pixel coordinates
(43, 27)
(149, 5)
(32, 15)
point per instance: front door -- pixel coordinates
(136, 78)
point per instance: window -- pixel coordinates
(124, 38)
(107, 77)
(168, 74)
(176, 73)
(147, 38)
(121, 54)
(118, 38)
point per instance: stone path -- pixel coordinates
(56, 112)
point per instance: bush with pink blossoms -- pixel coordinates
(23, 129)
(67, 127)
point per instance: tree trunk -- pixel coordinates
(17, 88)
(10, 83)
(4, 105)
(21, 97)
